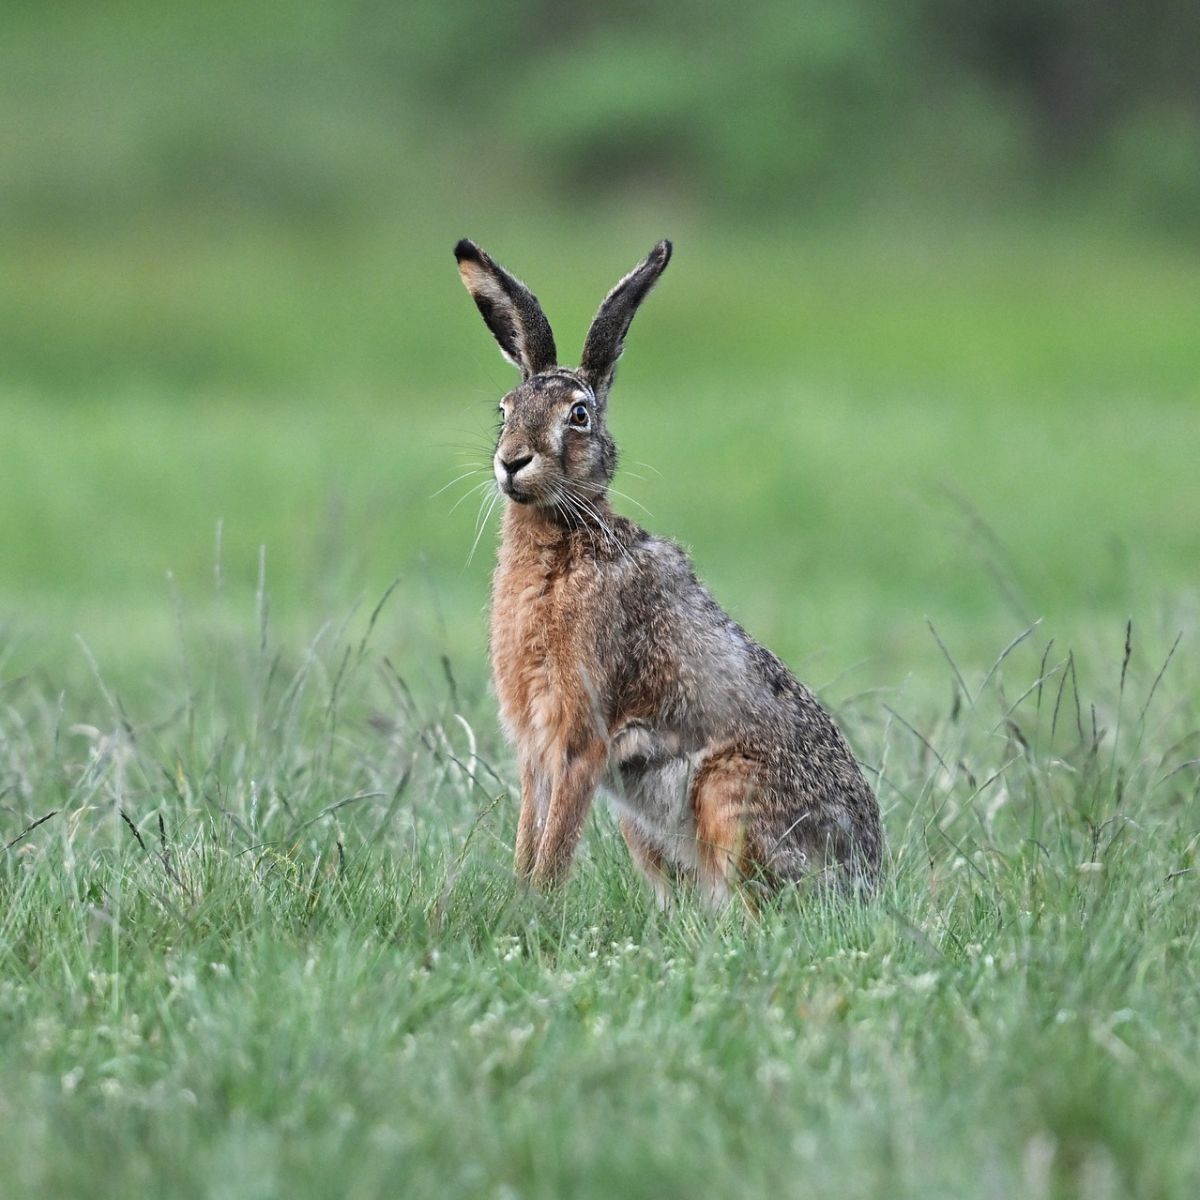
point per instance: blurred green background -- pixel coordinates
(928, 347)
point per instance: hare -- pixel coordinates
(613, 664)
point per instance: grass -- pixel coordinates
(838, 404)
(258, 933)
(265, 940)
(268, 944)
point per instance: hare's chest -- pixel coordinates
(533, 656)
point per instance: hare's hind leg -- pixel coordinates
(723, 790)
(648, 858)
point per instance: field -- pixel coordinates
(920, 390)
(269, 946)
(267, 943)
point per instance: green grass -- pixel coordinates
(269, 945)
(821, 415)
(258, 932)
(316, 977)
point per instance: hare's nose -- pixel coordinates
(513, 465)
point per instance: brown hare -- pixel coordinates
(613, 663)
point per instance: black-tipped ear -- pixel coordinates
(606, 337)
(510, 310)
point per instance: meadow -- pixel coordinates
(269, 945)
(937, 448)
(258, 931)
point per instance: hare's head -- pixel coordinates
(553, 446)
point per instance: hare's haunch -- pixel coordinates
(613, 663)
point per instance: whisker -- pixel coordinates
(606, 529)
(568, 501)
(483, 442)
(457, 479)
(482, 527)
(479, 517)
(480, 486)
(649, 467)
(626, 496)
(562, 505)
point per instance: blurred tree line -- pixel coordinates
(316, 107)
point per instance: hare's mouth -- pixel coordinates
(515, 493)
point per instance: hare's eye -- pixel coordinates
(579, 417)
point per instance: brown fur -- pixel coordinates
(612, 662)
(723, 800)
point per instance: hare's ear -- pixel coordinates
(606, 338)
(510, 310)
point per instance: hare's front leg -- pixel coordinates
(571, 793)
(535, 797)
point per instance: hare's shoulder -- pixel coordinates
(660, 562)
